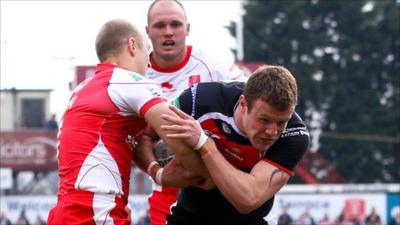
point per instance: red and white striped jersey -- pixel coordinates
(195, 68)
(104, 113)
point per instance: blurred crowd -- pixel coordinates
(306, 218)
(22, 220)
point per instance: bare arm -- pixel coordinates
(246, 191)
(183, 153)
(173, 173)
(143, 153)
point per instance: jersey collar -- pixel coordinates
(175, 68)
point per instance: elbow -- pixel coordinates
(245, 211)
(247, 206)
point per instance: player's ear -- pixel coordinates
(187, 29)
(132, 45)
(242, 102)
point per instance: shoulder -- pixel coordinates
(203, 55)
(212, 97)
(291, 145)
(296, 130)
(220, 89)
(211, 62)
(220, 69)
(296, 121)
(123, 76)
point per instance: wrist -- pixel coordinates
(159, 174)
(150, 166)
(155, 171)
(205, 149)
(202, 140)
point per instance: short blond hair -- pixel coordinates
(113, 36)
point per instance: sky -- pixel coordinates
(43, 41)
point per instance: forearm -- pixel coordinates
(238, 187)
(183, 153)
(143, 154)
(191, 161)
(245, 191)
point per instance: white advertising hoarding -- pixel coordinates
(317, 204)
(351, 204)
(6, 178)
(41, 205)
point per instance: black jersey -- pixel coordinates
(213, 104)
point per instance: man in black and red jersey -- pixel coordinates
(176, 66)
(254, 141)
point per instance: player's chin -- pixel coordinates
(169, 54)
(259, 146)
(262, 144)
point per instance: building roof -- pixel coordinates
(25, 90)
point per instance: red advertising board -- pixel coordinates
(28, 150)
(83, 72)
(354, 209)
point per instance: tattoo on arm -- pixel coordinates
(276, 171)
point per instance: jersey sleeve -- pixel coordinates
(288, 150)
(228, 73)
(132, 93)
(223, 70)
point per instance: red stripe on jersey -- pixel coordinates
(175, 68)
(149, 104)
(279, 166)
(239, 155)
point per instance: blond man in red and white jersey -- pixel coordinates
(104, 114)
(177, 66)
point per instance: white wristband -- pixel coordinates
(159, 176)
(202, 140)
(150, 166)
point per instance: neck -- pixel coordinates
(121, 62)
(168, 62)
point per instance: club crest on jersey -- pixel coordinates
(194, 79)
(225, 128)
(210, 134)
(167, 87)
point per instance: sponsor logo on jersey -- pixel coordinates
(295, 131)
(167, 87)
(234, 153)
(226, 129)
(194, 79)
(136, 76)
(154, 91)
